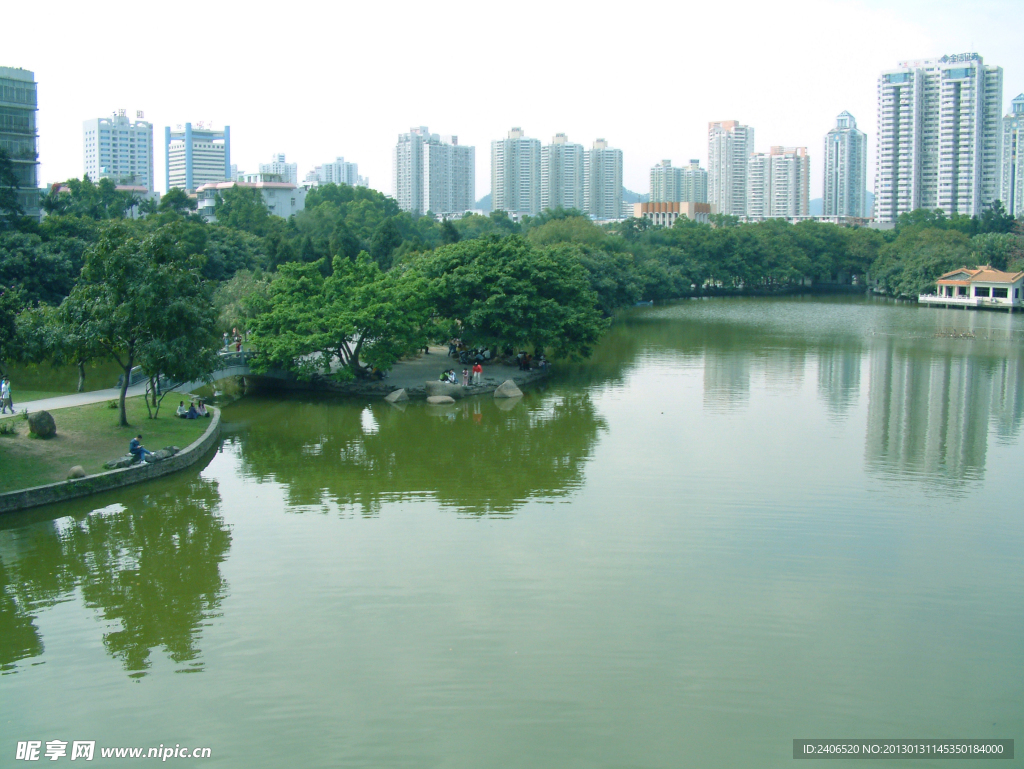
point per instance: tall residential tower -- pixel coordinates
(938, 136)
(1012, 188)
(846, 169)
(729, 146)
(778, 183)
(561, 174)
(670, 184)
(515, 174)
(433, 173)
(602, 181)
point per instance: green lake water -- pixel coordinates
(743, 521)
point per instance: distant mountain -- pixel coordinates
(628, 196)
(815, 207)
(484, 204)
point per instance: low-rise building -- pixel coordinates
(665, 214)
(282, 198)
(980, 287)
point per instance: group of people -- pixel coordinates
(5, 396)
(451, 377)
(234, 339)
(525, 361)
(194, 410)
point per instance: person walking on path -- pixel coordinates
(478, 372)
(5, 396)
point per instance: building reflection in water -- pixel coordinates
(930, 408)
(149, 567)
(839, 377)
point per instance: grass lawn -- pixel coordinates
(87, 436)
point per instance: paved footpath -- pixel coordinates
(410, 374)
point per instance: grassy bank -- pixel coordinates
(87, 436)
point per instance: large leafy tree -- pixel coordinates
(505, 293)
(358, 317)
(142, 298)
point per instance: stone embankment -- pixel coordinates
(114, 479)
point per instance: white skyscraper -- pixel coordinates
(433, 173)
(670, 184)
(194, 157)
(1012, 188)
(846, 169)
(116, 148)
(338, 172)
(778, 183)
(729, 146)
(561, 175)
(515, 174)
(602, 181)
(289, 172)
(938, 141)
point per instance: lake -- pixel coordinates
(743, 521)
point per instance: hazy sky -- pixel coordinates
(317, 81)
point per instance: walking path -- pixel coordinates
(410, 374)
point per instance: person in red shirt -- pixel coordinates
(478, 371)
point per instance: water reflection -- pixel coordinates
(149, 567)
(839, 376)
(474, 456)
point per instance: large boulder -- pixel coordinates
(116, 464)
(76, 472)
(439, 400)
(507, 389)
(42, 424)
(398, 396)
(445, 388)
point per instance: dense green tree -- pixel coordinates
(504, 292)
(11, 304)
(386, 238)
(43, 271)
(83, 197)
(177, 201)
(136, 292)
(910, 264)
(243, 208)
(360, 317)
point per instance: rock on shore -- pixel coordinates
(507, 389)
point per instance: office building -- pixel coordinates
(515, 174)
(602, 181)
(1012, 187)
(561, 175)
(729, 146)
(846, 169)
(670, 184)
(778, 184)
(18, 133)
(433, 173)
(938, 136)
(196, 156)
(337, 172)
(119, 149)
(278, 166)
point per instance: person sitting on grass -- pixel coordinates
(182, 411)
(137, 450)
(191, 413)
(201, 409)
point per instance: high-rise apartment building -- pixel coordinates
(778, 183)
(729, 146)
(846, 169)
(338, 172)
(686, 184)
(515, 174)
(197, 156)
(433, 173)
(119, 149)
(278, 166)
(18, 133)
(561, 174)
(602, 181)
(938, 136)
(1012, 188)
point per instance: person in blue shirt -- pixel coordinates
(136, 449)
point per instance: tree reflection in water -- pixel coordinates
(151, 569)
(475, 456)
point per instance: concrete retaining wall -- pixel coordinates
(114, 479)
